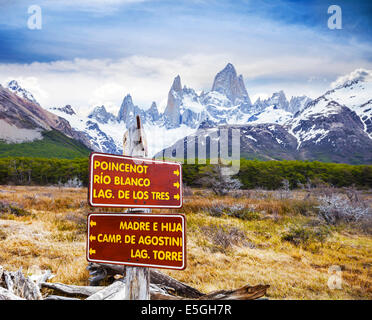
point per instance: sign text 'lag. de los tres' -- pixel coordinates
(143, 240)
(122, 181)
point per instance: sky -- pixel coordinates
(94, 52)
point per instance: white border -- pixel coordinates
(141, 264)
(132, 205)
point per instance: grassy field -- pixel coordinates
(255, 237)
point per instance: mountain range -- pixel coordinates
(337, 126)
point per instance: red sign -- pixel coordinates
(121, 181)
(143, 240)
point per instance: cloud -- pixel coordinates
(87, 83)
(96, 7)
(31, 84)
(358, 74)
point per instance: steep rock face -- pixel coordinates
(153, 112)
(267, 142)
(261, 141)
(66, 109)
(14, 87)
(279, 100)
(128, 112)
(101, 115)
(172, 110)
(100, 141)
(26, 114)
(328, 131)
(366, 116)
(259, 105)
(298, 103)
(191, 110)
(356, 94)
(23, 114)
(229, 84)
(207, 124)
(126, 109)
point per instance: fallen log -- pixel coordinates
(54, 297)
(100, 271)
(109, 291)
(19, 285)
(180, 288)
(73, 290)
(15, 286)
(115, 291)
(244, 293)
(6, 294)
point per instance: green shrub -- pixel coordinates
(12, 208)
(304, 235)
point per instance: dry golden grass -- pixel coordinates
(224, 252)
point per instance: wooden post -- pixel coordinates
(137, 281)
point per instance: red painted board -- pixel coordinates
(128, 182)
(142, 240)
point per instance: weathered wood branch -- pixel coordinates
(115, 291)
(73, 290)
(19, 285)
(15, 286)
(244, 293)
(180, 288)
(174, 289)
(156, 277)
(54, 297)
(106, 294)
(6, 294)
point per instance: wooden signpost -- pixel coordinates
(137, 239)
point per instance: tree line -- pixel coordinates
(42, 171)
(253, 173)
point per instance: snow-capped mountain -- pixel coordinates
(14, 87)
(228, 83)
(357, 96)
(23, 120)
(337, 125)
(334, 127)
(101, 115)
(228, 102)
(327, 128)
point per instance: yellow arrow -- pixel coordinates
(91, 238)
(91, 251)
(92, 223)
(177, 196)
(176, 184)
(176, 172)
